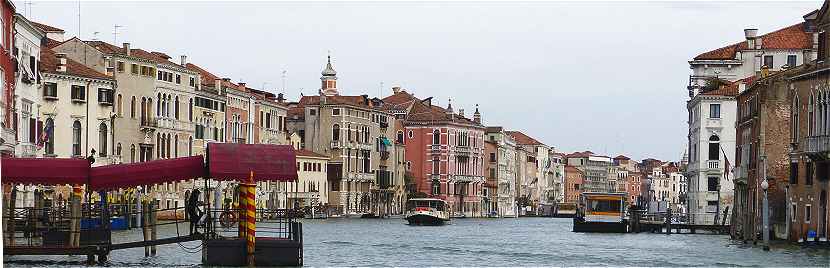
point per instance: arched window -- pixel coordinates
(714, 148)
(50, 140)
(176, 106)
(168, 145)
(811, 116)
(76, 138)
(168, 108)
(118, 149)
(349, 131)
(102, 140)
(436, 166)
(132, 153)
(118, 104)
(143, 110)
(190, 146)
(436, 137)
(819, 116)
(794, 110)
(158, 145)
(190, 110)
(399, 137)
(159, 102)
(132, 108)
(335, 132)
(176, 146)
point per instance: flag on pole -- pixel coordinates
(45, 135)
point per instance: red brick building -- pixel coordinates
(573, 183)
(444, 151)
(7, 70)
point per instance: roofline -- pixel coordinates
(28, 23)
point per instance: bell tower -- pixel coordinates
(329, 80)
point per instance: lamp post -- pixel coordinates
(765, 212)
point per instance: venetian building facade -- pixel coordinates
(7, 79)
(28, 95)
(445, 151)
(506, 173)
(208, 109)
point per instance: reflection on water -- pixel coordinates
(476, 242)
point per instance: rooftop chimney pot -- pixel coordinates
(127, 48)
(184, 60)
(750, 33)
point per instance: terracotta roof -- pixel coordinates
(51, 43)
(730, 89)
(622, 157)
(792, 37)
(308, 153)
(360, 101)
(47, 28)
(523, 139)
(421, 110)
(493, 129)
(572, 169)
(580, 154)
(296, 111)
(49, 64)
(155, 56)
(208, 78)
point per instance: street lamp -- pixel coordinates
(765, 186)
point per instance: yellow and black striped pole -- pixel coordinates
(249, 190)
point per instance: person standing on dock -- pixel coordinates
(193, 212)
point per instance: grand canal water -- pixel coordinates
(480, 242)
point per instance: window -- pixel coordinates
(134, 68)
(793, 173)
(713, 184)
(822, 46)
(809, 176)
(118, 105)
(178, 79)
(791, 60)
(120, 66)
(436, 166)
(714, 148)
(132, 153)
(102, 140)
(436, 137)
(794, 110)
(176, 108)
(492, 157)
(436, 187)
(312, 112)
(808, 211)
(399, 137)
(410, 135)
(76, 138)
(335, 111)
(50, 90)
(50, 136)
(105, 96)
(768, 61)
(335, 132)
(78, 93)
(714, 111)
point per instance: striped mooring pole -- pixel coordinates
(249, 190)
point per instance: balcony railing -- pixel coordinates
(435, 148)
(384, 155)
(149, 122)
(336, 144)
(817, 145)
(713, 164)
(27, 150)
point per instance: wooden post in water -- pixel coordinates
(145, 225)
(250, 217)
(154, 224)
(75, 216)
(668, 221)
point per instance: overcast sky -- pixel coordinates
(605, 77)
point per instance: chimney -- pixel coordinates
(751, 36)
(280, 98)
(396, 90)
(461, 112)
(61, 62)
(127, 48)
(477, 116)
(184, 60)
(217, 83)
(365, 99)
(242, 87)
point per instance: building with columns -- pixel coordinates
(7, 79)
(506, 157)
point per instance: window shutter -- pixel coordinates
(39, 128)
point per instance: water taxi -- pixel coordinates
(601, 213)
(426, 211)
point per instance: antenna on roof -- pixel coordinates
(284, 73)
(79, 20)
(28, 9)
(115, 33)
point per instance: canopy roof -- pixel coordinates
(47, 171)
(233, 161)
(146, 173)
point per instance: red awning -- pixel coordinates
(233, 161)
(47, 171)
(146, 173)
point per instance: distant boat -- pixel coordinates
(601, 213)
(426, 211)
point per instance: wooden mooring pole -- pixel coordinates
(249, 190)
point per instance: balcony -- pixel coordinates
(384, 155)
(818, 147)
(384, 125)
(336, 144)
(27, 150)
(713, 164)
(149, 122)
(174, 124)
(435, 148)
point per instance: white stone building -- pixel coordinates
(505, 172)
